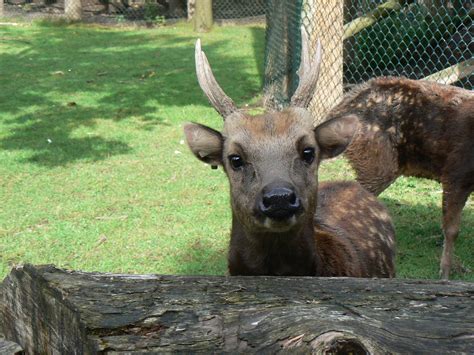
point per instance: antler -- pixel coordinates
(308, 73)
(219, 100)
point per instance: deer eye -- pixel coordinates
(308, 155)
(236, 161)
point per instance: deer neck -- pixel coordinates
(269, 253)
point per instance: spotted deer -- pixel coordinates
(281, 223)
(414, 128)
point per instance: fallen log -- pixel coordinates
(48, 310)
(9, 348)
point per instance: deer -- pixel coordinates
(414, 128)
(283, 223)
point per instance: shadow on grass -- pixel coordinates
(258, 43)
(420, 240)
(202, 258)
(60, 79)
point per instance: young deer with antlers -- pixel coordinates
(414, 128)
(281, 223)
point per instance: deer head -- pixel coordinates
(271, 159)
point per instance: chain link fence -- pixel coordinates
(364, 39)
(361, 38)
(153, 12)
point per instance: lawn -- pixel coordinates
(94, 173)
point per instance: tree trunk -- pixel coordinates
(48, 310)
(73, 9)
(203, 20)
(282, 51)
(1, 8)
(329, 29)
(191, 5)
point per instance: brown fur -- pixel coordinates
(414, 128)
(271, 161)
(364, 227)
(349, 234)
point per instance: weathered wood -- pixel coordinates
(10, 348)
(6, 347)
(48, 310)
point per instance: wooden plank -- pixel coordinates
(48, 310)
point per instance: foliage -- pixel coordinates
(152, 10)
(94, 174)
(411, 42)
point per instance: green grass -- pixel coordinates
(93, 171)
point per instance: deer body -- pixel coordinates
(349, 235)
(281, 225)
(414, 128)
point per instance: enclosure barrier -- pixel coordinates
(366, 20)
(453, 73)
(362, 38)
(49, 310)
(366, 39)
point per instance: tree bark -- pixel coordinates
(48, 310)
(203, 19)
(73, 9)
(191, 4)
(329, 29)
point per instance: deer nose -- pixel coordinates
(279, 202)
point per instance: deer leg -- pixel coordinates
(453, 204)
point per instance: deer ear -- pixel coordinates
(335, 135)
(205, 143)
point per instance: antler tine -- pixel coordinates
(308, 73)
(219, 100)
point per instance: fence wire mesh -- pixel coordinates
(361, 38)
(364, 39)
(125, 11)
